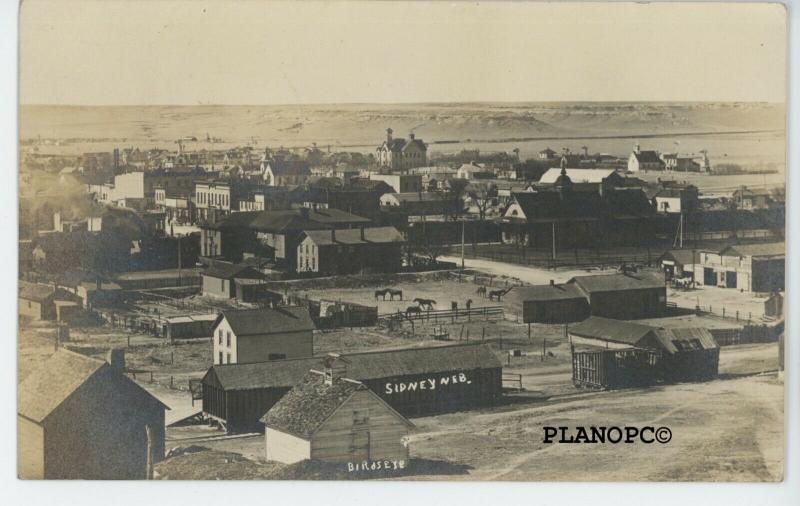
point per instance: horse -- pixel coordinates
(481, 291)
(468, 304)
(498, 293)
(381, 293)
(413, 310)
(425, 303)
(392, 292)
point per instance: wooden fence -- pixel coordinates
(452, 315)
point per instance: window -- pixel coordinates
(220, 336)
(360, 416)
(228, 339)
(222, 284)
(229, 358)
(220, 358)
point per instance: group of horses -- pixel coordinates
(492, 294)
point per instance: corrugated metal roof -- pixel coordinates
(687, 338)
(617, 331)
(614, 282)
(361, 366)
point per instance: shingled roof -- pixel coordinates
(360, 366)
(246, 322)
(647, 157)
(374, 235)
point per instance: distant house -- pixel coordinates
(745, 198)
(474, 170)
(678, 263)
(82, 418)
(45, 302)
(640, 294)
(283, 172)
(644, 160)
(757, 267)
(400, 154)
(547, 154)
(259, 335)
(677, 199)
(415, 204)
(400, 183)
(330, 418)
(553, 303)
(219, 278)
(348, 251)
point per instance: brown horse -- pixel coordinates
(392, 292)
(481, 291)
(425, 303)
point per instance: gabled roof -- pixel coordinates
(247, 322)
(375, 235)
(289, 167)
(613, 282)
(223, 270)
(548, 205)
(607, 329)
(304, 409)
(361, 366)
(682, 256)
(290, 219)
(648, 157)
(770, 249)
(538, 293)
(415, 143)
(57, 378)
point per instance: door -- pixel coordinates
(730, 279)
(359, 444)
(709, 278)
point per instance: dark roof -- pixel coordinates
(222, 270)
(613, 282)
(617, 331)
(550, 292)
(361, 366)
(376, 235)
(55, 380)
(770, 249)
(624, 202)
(304, 409)
(682, 256)
(549, 205)
(267, 320)
(289, 167)
(647, 157)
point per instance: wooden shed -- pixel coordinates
(82, 418)
(39, 301)
(553, 303)
(625, 295)
(334, 419)
(416, 381)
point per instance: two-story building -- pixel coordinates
(400, 183)
(644, 160)
(746, 267)
(399, 154)
(348, 251)
(260, 335)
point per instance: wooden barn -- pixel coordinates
(416, 381)
(258, 335)
(620, 354)
(188, 327)
(219, 280)
(626, 295)
(45, 302)
(553, 303)
(82, 418)
(330, 418)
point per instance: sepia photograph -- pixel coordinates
(401, 241)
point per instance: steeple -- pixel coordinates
(563, 182)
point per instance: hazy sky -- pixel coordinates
(254, 52)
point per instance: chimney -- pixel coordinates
(116, 359)
(411, 135)
(389, 135)
(335, 368)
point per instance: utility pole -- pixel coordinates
(463, 225)
(554, 242)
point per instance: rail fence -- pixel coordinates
(452, 315)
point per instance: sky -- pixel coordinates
(160, 52)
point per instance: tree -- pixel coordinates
(484, 195)
(453, 197)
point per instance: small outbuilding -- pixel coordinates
(553, 303)
(626, 295)
(334, 419)
(46, 302)
(219, 280)
(82, 418)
